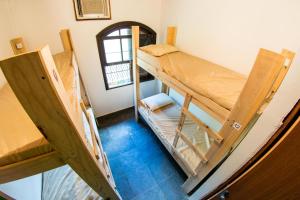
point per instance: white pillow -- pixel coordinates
(157, 101)
(159, 49)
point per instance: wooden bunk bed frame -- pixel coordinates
(265, 78)
(35, 81)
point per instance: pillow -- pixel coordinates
(157, 101)
(159, 49)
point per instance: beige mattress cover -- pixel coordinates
(213, 81)
(19, 137)
(166, 120)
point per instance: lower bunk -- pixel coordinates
(164, 120)
(64, 183)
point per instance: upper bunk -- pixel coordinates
(20, 138)
(214, 88)
(212, 81)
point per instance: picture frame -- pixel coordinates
(92, 9)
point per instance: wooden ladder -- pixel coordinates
(180, 134)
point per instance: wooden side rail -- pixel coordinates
(136, 69)
(30, 167)
(35, 81)
(67, 42)
(186, 103)
(93, 134)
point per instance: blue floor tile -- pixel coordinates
(141, 166)
(125, 162)
(161, 168)
(172, 188)
(154, 193)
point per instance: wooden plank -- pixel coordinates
(66, 40)
(171, 35)
(109, 175)
(186, 104)
(37, 85)
(30, 167)
(94, 140)
(164, 88)
(136, 68)
(210, 132)
(200, 154)
(18, 46)
(264, 73)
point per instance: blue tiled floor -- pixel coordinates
(142, 168)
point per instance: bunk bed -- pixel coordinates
(45, 123)
(234, 100)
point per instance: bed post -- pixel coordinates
(66, 40)
(171, 35)
(170, 40)
(257, 91)
(136, 69)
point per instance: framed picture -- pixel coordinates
(92, 9)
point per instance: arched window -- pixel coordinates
(115, 51)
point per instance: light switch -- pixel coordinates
(19, 45)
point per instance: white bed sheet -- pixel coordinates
(165, 121)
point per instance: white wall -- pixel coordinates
(39, 22)
(5, 34)
(230, 33)
(24, 189)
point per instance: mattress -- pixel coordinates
(165, 121)
(64, 183)
(20, 138)
(221, 85)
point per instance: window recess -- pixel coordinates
(115, 51)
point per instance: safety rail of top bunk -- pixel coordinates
(264, 80)
(34, 78)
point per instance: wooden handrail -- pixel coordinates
(213, 134)
(199, 153)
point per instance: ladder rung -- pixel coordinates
(212, 133)
(191, 145)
